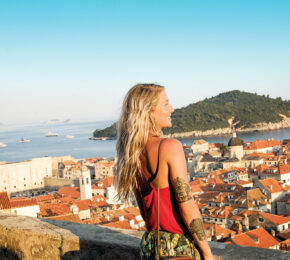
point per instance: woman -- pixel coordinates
(145, 162)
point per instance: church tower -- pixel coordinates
(235, 146)
(85, 184)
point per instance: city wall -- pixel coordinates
(30, 238)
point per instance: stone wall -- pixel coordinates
(30, 238)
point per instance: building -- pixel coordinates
(26, 175)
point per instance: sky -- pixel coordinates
(76, 59)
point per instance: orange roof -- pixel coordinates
(83, 204)
(261, 168)
(70, 218)
(255, 238)
(276, 219)
(20, 203)
(242, 182)
(53, 209)
(4, 200)
(273, 185)
(73, 192)
(107, 182)
(284, 168)
(44, 198)
(260, 144)
(262, 155)
(100, 201)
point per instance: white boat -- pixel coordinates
(2, 145)
(23, 140)
(69, 136)
(50, 134)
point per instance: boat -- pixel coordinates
(2, 145)
(23, 140)
(50, 134)
(69, 136)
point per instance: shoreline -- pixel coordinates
(261, 127)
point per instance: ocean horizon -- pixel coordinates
(80, 146)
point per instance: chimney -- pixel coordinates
(121, 218)
(132, 223)
(108, 218)
(270, 186)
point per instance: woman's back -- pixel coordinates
(156, 173)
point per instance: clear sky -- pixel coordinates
(77, 58)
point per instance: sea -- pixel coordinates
(80, 146)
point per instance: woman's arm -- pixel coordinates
(190, 213)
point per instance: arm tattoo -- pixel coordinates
(196, 227)
(182, 190)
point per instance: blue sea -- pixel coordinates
(80, 146)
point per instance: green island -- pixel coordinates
(245, 110)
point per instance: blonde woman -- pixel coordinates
(147, 161)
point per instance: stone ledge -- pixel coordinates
(30, 238)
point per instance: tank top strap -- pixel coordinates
(153, 175)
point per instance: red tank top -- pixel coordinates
(170, 219)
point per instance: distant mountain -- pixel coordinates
(56, 121)
(234, 108)
(67, 121)
(110, 131)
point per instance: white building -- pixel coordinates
(26, 175)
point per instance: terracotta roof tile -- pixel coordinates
(83, 204)
(53, 209)
(273, 185)
(4, 201)
(44, 198)
(276, 219)
(70, 218)
(255, 238)
(107, 182)
(124, 224)
(73, 192)
(260, 144)
(25, 202)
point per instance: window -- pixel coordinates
(24, 185)
(87, 180)
(14, 187)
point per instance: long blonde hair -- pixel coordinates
(133, 130)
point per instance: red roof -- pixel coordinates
(255, 238)
(73, 192)
(83, 204)
(45, 198)
(23, 202)
(260, 144)
(53, 209)
(284, 168)
(4, 200)
(70, 218)
(273, 185)
(107, 182)
(276, 219)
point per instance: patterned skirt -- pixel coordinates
(171, 245)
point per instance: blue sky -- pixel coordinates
(77, 59)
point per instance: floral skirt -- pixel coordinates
(171, 245)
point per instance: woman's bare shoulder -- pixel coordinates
(171, 145)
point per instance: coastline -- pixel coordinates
(261, 127)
